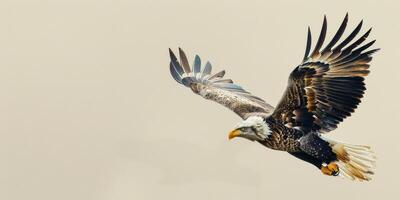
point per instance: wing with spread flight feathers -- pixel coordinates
(215, 87)
(329, 84)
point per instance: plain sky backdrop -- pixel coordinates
(88, 110)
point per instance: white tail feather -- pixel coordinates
(356, 162)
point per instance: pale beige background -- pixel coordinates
(89, 110)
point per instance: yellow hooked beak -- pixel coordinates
(233, 134)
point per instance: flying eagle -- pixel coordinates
(323, 90)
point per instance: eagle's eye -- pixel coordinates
(245, 129)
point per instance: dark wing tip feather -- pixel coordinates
(308, 45)
(172, 55)
(338, 34)
(174, 67)
(184, 61)
(175, 64)
(321, 39)
(358, 42)
(370, 52)
(366, 46)
(174, 73)
(349, 38)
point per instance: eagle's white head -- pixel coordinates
(253, 128)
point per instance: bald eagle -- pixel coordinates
(323, 90)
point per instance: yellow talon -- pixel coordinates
(332, 169)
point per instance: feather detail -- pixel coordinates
(320, 41)
(214, 87)
(308, 46)
(356, 162)
(328, 86)
(337, 36)
(196, 65)
(184, 61)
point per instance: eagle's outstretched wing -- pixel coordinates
(328, 85)
(216, 88)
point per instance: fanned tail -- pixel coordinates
(356, 162)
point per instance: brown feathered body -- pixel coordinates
(322, 91)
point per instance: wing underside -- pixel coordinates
(215, 87)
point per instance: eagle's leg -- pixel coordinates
(321, 150)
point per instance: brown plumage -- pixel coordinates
(322, 82)
(322, 91)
